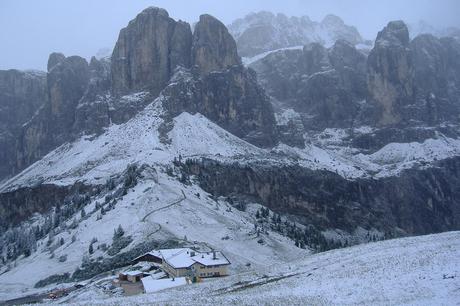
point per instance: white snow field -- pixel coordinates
(422, 270)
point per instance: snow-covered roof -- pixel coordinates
(207, 259)
(154, 285)
(182, 258)
(133, 273)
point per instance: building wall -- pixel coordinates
(211, 271)
(175, 272)
(201, 270)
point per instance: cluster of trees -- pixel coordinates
(22, 239)
(119, 241)
(309, 236)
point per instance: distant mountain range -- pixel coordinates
(264, 31)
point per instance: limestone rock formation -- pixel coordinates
(67, 81)
(147, 52)
(22, 93)
(213, 48)
(391, 74)
(231, 98)
(324, 85)
(92, 112)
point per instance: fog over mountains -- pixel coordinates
(52, 25)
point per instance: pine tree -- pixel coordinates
(90, 249)
(83, 213)
(119, 232)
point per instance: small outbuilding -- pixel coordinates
(132, 276)
(153, 256)
(153, 285)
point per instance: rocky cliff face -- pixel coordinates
(324, 85)
(213, 49)
(261, 32)
(67, 80)
(416, 202)
(412, 83)
(147, 52)
(400, 89)
(391, 73)
(231, 98)
(21, 95)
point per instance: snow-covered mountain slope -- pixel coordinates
(93, 160)
(421, 270)
(157, 209)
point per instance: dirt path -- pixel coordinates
(165, 207)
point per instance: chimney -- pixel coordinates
(214, 255)
(192, 253)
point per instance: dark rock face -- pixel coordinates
(417, 202)
(21, 95)
(391, 74)
(52, 125)
(436, 79)
(93, 111)
(19, 205)
(213, 49)
(231, 98)
(413, 83)
(324, 86)
(401, 88)
(67, 83)
(147, 51)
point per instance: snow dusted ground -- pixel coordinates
(94, 159)
(421, 270)
(148, 212)
(249, 60)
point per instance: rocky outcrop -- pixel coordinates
(231, 98)
(391, 74)
(67, 81)
(213, 48)
(413, 83)
(261, 32)
(147, 52)
(19, 205)
(92, 113)
(324, 85)
(22, 93)
(419, 201)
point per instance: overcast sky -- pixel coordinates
(31, 29)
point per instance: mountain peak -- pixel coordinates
(396, 32)
(213, 46)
